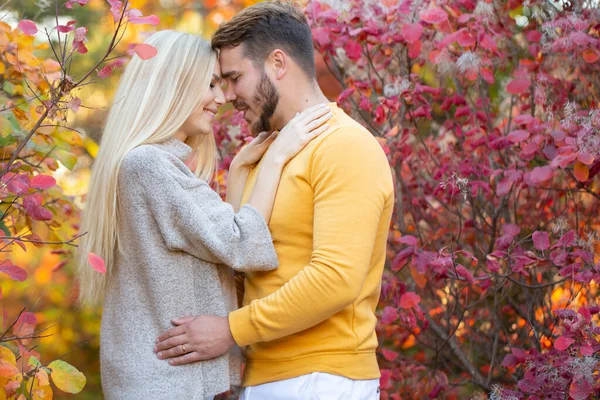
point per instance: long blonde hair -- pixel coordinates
(155, 97)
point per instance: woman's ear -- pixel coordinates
(278, 61)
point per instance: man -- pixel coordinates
(309, 325)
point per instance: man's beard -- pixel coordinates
(268, 97)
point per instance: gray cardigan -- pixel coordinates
(177, 239)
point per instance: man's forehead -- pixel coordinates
(232, 60)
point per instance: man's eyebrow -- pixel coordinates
(229, 74)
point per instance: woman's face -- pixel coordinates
(200, 122)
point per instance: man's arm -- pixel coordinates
(350, 193)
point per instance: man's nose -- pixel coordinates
(230, 95)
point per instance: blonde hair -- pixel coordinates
(155, 97)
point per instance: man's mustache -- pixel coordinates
(240, 105)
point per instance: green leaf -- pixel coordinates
(34, 361)
(66, 377)
(8, 88)
(66, 158)
(4, 229)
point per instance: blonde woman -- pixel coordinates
(167, 239)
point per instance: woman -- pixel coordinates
(165, 236)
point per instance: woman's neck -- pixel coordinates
(181, 136)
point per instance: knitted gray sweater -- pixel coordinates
(178, 238)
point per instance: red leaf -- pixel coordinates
(389, 315)
(466, 39)
(534, 36)
(563, 343)
(321, 36)
(518, 86)
(412, 32)
(580, 388)
(586, 350)
(97, 263)
(16, 183)
(345, 94)
(518, 136)
(487, 75)
(353, 50)
(464, 273)
(409, 300)
(541, 240)
(389, 355)
(74, 104)
(580, 38)
(28, 27)
(65, 28)
(145, 51)
(42, 182)
(401, 258)
(585, 158)
(16, 273)
(503, 187)
(108, 69)
(408, 240)
(25, 319)
(541, 174)
(434, 15)
(510, 361)
(69, 4)
(414, 49)
(151, 19)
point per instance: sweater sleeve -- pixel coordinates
(350, 189)
(192, 218)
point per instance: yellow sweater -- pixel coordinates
(330, 223)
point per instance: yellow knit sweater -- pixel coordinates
(330, 222)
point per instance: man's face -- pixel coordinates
(249, 88)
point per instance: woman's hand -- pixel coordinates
(253, 152)
(301, 129)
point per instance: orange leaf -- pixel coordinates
(420, 279)
(393, 132)
(590, 56)
(581, 171)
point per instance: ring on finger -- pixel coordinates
(183, 348)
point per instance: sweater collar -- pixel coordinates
(176, 147)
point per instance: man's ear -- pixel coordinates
(278, 61)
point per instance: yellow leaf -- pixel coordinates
(66, 377)
(69, 136)
(90, 146)
(7, 355)
(2, 68)
(581, 171)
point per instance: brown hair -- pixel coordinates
(263, 27)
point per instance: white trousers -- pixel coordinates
(315, 386)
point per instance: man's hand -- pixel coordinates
(194, 339)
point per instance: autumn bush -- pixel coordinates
(488, 112)
(38, 94)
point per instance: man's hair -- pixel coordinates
(263, 27)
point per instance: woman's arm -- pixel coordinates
(303, 128)
(236, 181)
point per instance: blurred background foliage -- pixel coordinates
(50, 291)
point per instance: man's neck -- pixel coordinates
(298, 103)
